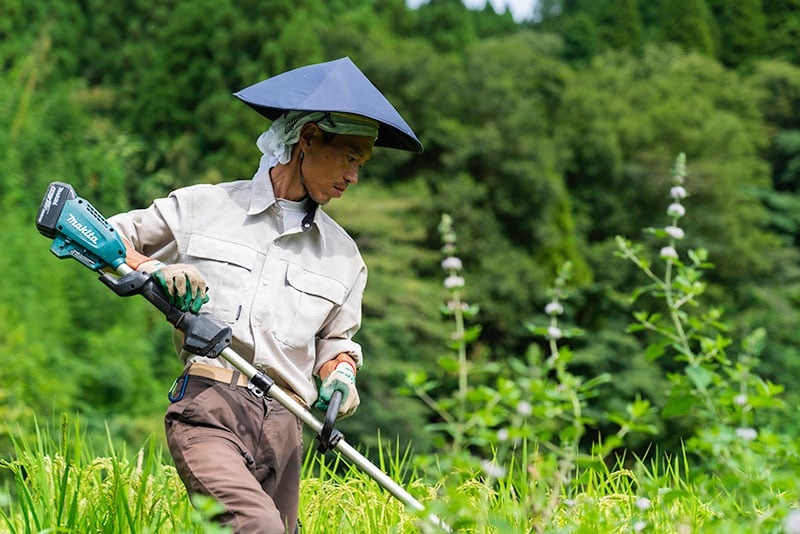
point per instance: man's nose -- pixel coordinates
(351, 175)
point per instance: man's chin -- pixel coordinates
(321, 201)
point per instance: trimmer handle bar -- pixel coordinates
(203, 334)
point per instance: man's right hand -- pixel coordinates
(184, 285)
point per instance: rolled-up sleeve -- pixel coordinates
(152, 231)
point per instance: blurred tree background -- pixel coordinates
(544, 139)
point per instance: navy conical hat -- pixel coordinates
(332, 86)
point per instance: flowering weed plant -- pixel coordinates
(718, 392)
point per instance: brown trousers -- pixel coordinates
(243, 450)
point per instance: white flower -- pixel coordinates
(676, 210)
(639, 526)
(452, 282)
(791, 524)
(451, 262)
(554, 332)
(492, 469)
(675, 232)
(677, 192)
(553, 308)
(451, 305)
(524, 408)
(747, 434)
(740, 400)
(643, 503)
(669, 253)
(502, 434)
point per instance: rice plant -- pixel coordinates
(60, 485)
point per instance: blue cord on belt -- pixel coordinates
(184, 380)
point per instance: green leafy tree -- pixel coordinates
(619, 22)
(623, 118)
(625, 113)
(591, 27)
(582, 40)
(783, 29)
(777, 88)
(488, 23)
(685, 22)
(742, 29)
(448, 24)
(487, 121)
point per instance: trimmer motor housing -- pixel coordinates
(78, 230)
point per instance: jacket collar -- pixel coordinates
(264, 196)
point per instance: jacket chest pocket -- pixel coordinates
(226, 267)
(300, 306)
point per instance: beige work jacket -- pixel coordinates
(292, 297)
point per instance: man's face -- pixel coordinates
(329, 168)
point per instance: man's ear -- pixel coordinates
(307, 133)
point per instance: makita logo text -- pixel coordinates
(87, 232)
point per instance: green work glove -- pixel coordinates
(184, 285)
(342, 378)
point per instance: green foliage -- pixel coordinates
(448, 22)
(135, 494)
(618, 23)
(488, 412)
(656, 94)
(777, 88)
(720, 394)
(685, 22)
(335, 497)
(742, 29)
(696, 335)
(783, 29)
(72, 344)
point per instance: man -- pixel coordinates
(282, 274)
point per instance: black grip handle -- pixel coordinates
(328, 437)
(333, 409)
(203, 333)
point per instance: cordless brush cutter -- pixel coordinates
(79, 231)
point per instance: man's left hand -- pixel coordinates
(342, 378)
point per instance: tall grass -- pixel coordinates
(336, 497)
(60, 485)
